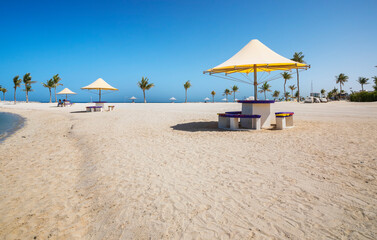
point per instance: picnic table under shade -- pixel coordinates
(255, 107)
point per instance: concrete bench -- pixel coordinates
(231, 121)
(284, 120)
(94, 109)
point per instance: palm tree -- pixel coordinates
(323, 91)
(363, 81)
(27, 90)
(292, 87)
(0, 91)
(27, 81)
(17, 83)
(4, 90)
(286, 95)
(49, 84)
(186, 85)
(341, 79)
(265, 88)
(334, 92)
(234, 90)
(213, 93)
(276, 94)
(286, 77)
(226, 93)
(298, 57)
(56, 79)
(145, 85)
(375, 83)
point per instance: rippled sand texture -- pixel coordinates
(164, 171)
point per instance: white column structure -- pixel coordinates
(253, 107)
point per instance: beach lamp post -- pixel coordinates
(253, 58)
(206, 99)
(133, 99)
(99, 85)
(172, 99)
(65, 92)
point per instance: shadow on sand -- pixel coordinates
(79, 112)
(197, 127)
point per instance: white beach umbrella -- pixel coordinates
(172, 99)
(133, 99)
(224, 99)
(99, 85)
(252, 58)
(66, 91)
(206, 99)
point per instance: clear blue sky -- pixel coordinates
(174, 41)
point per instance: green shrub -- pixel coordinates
(363, 96)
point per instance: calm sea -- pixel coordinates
(9, 123)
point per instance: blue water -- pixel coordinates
(8, 124)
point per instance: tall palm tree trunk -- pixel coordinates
(340, 86)
(27, 96)
(265, 98)
(55, 95)
(185, 95)
(213, 98)
(285, 95)
(145, 100)
(50, 94)
(298, 86)
(15, 95)
(234, 98)
(362, 87)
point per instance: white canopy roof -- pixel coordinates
(206, 99)
(99, 84)
(172, 99)
(255, 54)
(66, 91)
(133, 98)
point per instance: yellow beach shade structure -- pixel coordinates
(254, 57)
(99, 85)
(66, 91)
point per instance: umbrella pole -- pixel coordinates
(100, 95)
(255, 82)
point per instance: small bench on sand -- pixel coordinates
(284, 120)
(94, 109)
(230, 120)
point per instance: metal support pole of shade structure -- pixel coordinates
(255, 82)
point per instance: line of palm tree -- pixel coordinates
(234, 90)
(17, 83)
(276, 94)
(265, 87)
(49, 84)
(298, 57)
(145, 85)
(292, 87)
(323, 91)
(27, 81)
(213, 93)
(363, 81)
(286, 77)
(0, 91)
(226, 93)
(186, 85)
(56, 79)
(286, 95)
(4, 90)
(341, 79)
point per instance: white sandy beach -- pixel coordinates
(164, 171)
